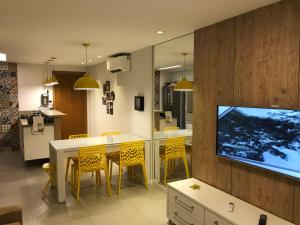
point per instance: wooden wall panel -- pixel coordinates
(297, 204)
(267, 56)
(266, 73)
(213, 85)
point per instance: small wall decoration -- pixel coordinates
(111, 109)
(107, 84)
(103, 100)
(107, 108)
(104, 88)
(108, 98)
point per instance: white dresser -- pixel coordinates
(210, 206)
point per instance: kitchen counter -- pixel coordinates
(57, 117)
(52, 112)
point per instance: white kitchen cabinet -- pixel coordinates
(35, 146)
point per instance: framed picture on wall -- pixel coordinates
(111, 108)
(112, 95)
(104, 88)
(108, 96)
(107, 84)
(103, 100)
(107, 108)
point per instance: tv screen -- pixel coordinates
(266, 138)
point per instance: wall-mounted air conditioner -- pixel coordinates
(119, 63)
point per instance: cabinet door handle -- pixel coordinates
(216, 223)
(184, 205)
(181, 219)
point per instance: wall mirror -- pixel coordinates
(173, 108)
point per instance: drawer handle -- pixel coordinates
(184, 205)
(181, 219)
(216, 223)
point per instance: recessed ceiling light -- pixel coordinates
(99, 56)
(169, 67)
(82, 63)
(159, 32)
(90, 60)
(2, 56)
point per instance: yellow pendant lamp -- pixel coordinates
(53, 80)
(184, 84)
(86, 82)
(48, 80)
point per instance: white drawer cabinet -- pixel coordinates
(186, 205)
(213, 219)
(192, 202)
(177, 216)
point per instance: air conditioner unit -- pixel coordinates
(118, 64)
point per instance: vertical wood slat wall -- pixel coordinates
(249, 60)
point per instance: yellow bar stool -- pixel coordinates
(90, 159)
(131, 154)
(110, 133)
(49, 170)
(162, 148)
(174, 149)
(171, 128)
(72, 159)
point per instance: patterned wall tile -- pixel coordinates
(157, 90)
(9, 107)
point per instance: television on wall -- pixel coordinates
(263, 137)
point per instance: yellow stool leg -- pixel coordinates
(107, 181)
(186, 167)
(110, 169)
(78, 187)
(46, 186)
(145, 176)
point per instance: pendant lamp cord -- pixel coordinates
(183, 72)
(86, 66)
(184, 65)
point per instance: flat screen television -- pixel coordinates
(262, 137)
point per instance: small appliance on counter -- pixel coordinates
(45, 99)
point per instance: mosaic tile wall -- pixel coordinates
(9, 107)
(156, 90)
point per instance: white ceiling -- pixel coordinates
(33, 30)
(170, 53)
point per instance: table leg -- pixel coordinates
(61, 187)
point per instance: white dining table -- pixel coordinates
(60, 150)
(160, 138)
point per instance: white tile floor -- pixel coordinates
(21, 184)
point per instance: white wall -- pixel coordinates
(125, 85)
(30, 84)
